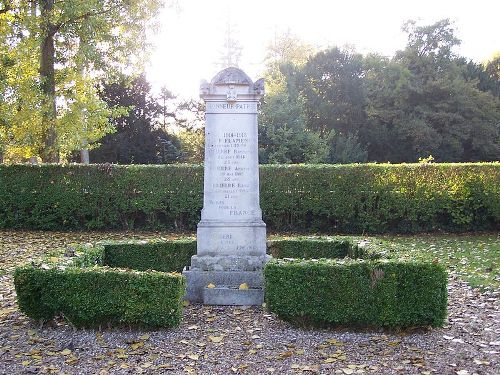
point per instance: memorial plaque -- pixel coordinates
(231, 235)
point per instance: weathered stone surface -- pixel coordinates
(197, 281)
(231, 235)
(229, 262)
(233, 296)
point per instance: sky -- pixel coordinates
(191, 36)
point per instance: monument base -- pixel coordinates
(230, 296)
(197, 280)
(229, 262)
(228, 255)
(220, 238)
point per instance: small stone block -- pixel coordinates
(233, 296)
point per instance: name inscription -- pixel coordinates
(232, 181)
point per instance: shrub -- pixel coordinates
(165, 256)
(173, 256)
(87, 293)
(386, 293)
(300, 198)
(320, 247)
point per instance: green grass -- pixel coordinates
(473, 257)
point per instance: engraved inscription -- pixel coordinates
(231, 107)
(230, 151)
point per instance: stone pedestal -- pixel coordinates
(231, 236)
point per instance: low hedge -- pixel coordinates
(165, 256)
(321, 247)
(356, 198)
(173, 256)
(388, 293)
(88, 293)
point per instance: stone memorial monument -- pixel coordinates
(231, 236)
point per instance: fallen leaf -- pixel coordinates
(286, 354)
(243, 286)
(347, 371)
(136, 345)
(216, 339)
(334, 342)
(194, 357)
(211, 286)
(72, 360)
(479, 362)
(65, 352)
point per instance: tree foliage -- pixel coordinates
(426, 100)
(51, 53)
(138, 138)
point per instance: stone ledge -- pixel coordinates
(229, 262)
(197, 280)
(233, 296)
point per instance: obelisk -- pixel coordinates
(231, 236)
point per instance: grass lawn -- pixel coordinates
(471, 257)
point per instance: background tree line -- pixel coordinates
(327, 106)
(338, 106)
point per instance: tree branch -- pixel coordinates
(81, 17)
(7, 7)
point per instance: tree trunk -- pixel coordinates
(48, 84)
(84, 156)
(1, 156)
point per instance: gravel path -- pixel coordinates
(227, 340)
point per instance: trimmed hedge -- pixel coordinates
(173, 256)
(354, 198)
(320, 247)
(387, 293)
(165, 256)
(87, 293)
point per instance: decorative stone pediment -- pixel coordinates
(231, 76)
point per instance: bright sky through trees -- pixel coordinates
(191, 39)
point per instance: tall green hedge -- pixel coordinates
(300, 198)
(363, 293)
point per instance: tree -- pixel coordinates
(283, 136)
(72, 43)
(332, 88)
(422, 103)
(288, 48)
(492, 69)
(231, 51)
(138, 138)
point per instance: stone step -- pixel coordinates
(233, 296)
(197, 280)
